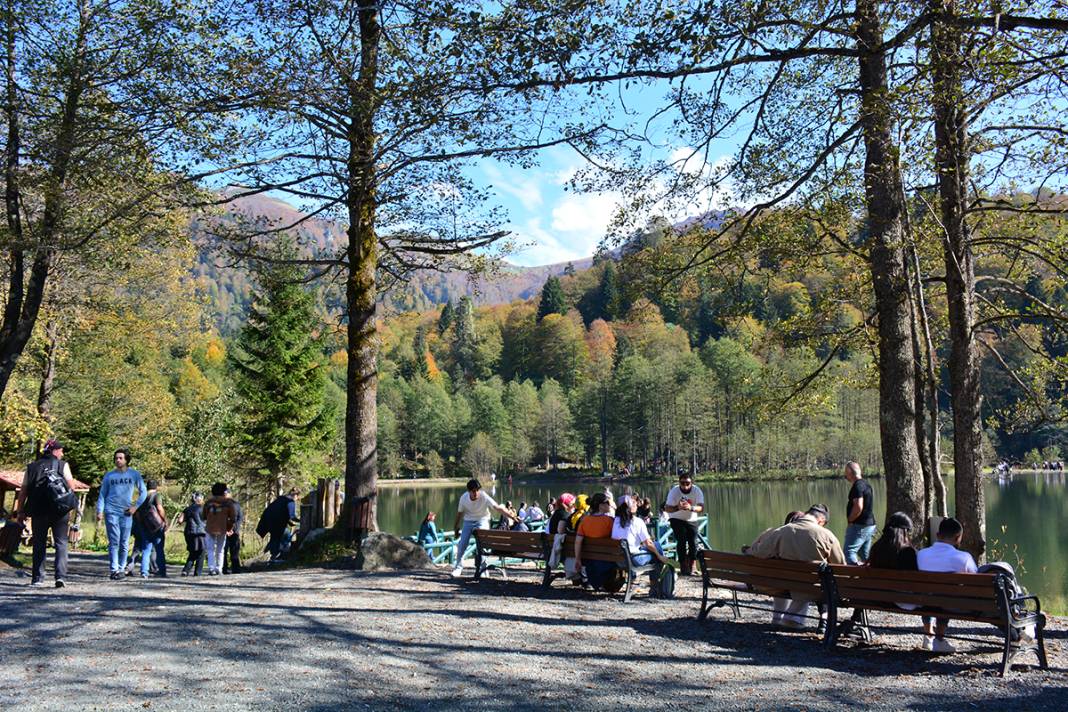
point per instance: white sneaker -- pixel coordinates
(458, 572)
(928, 642)
(941, 645)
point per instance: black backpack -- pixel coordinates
(53, 494)
(147, 516)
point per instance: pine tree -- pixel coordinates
(552, 299)
(283, 416)
(609, 293)
(445, 320)
(465, 342)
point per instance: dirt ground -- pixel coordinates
(321, 639)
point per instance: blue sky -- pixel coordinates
(552, 223)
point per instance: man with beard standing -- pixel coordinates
(684, 506)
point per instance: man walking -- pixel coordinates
(232, 554)
(473, 512)
(42, 497)
(860, 530)
(121, 493)
(684, 506)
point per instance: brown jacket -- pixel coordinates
(219, 515)
(803, 540)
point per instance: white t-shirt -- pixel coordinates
(676, 495)
(635, 535)
(945, 558)
(476, 510)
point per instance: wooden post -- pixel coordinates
(339, 500)
(328, 508)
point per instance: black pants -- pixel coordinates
(194, 544)
(232, 554)
(685, 538)
(59, 526)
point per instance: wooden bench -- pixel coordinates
(531, 546)
(983, 598)
(770, 577)
(610, 550)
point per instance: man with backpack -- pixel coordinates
(275, 522)
(151, 520)
(47, 495)
(121, 492)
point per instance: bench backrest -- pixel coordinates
(974, 593)
(766, 575)
(596, 549)
(508, 542)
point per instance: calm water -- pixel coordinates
(1024, 515)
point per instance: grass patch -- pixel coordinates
(328, 549)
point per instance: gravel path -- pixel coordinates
(324, 639)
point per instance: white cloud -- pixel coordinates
(585, 214)
(526, 188)
(541, 247)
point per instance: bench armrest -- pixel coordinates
(1021, 601)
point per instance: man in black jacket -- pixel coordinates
(232, 553)
(34, 500)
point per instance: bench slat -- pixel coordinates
(987, 580)
(719, 559)
(849, 597)
(996, 619)
(917, 587)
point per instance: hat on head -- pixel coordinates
(567, 499)
(52, 444)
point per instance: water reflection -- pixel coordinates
(1024, 512)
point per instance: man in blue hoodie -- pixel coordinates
(121, 493)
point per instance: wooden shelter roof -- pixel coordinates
(12, 480)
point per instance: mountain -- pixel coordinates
(227, 285)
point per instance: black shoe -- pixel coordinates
(60, 584)
(185, 573)
(821, 627)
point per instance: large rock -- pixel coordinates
(385, 551)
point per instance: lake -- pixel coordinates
(1024, 514)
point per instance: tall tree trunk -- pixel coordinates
(361, 289)
(951, 159)
(938, 504)
(24, 304)
(604, 426)
(889, 270)
(48, 371)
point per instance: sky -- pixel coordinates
(552, 223)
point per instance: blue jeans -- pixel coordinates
(118, 528)
(470, 525)
(279, 540)
(858, 543)
(148, 544)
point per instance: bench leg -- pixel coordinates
(1040, 639)
(547, 579)
(703, 613)
(735, 608)
(1008, 654)
(478, 562)
(630, 587)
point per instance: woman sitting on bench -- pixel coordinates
(632, 529)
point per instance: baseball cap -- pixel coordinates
(52, 444)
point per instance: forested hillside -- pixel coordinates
(225, 282)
